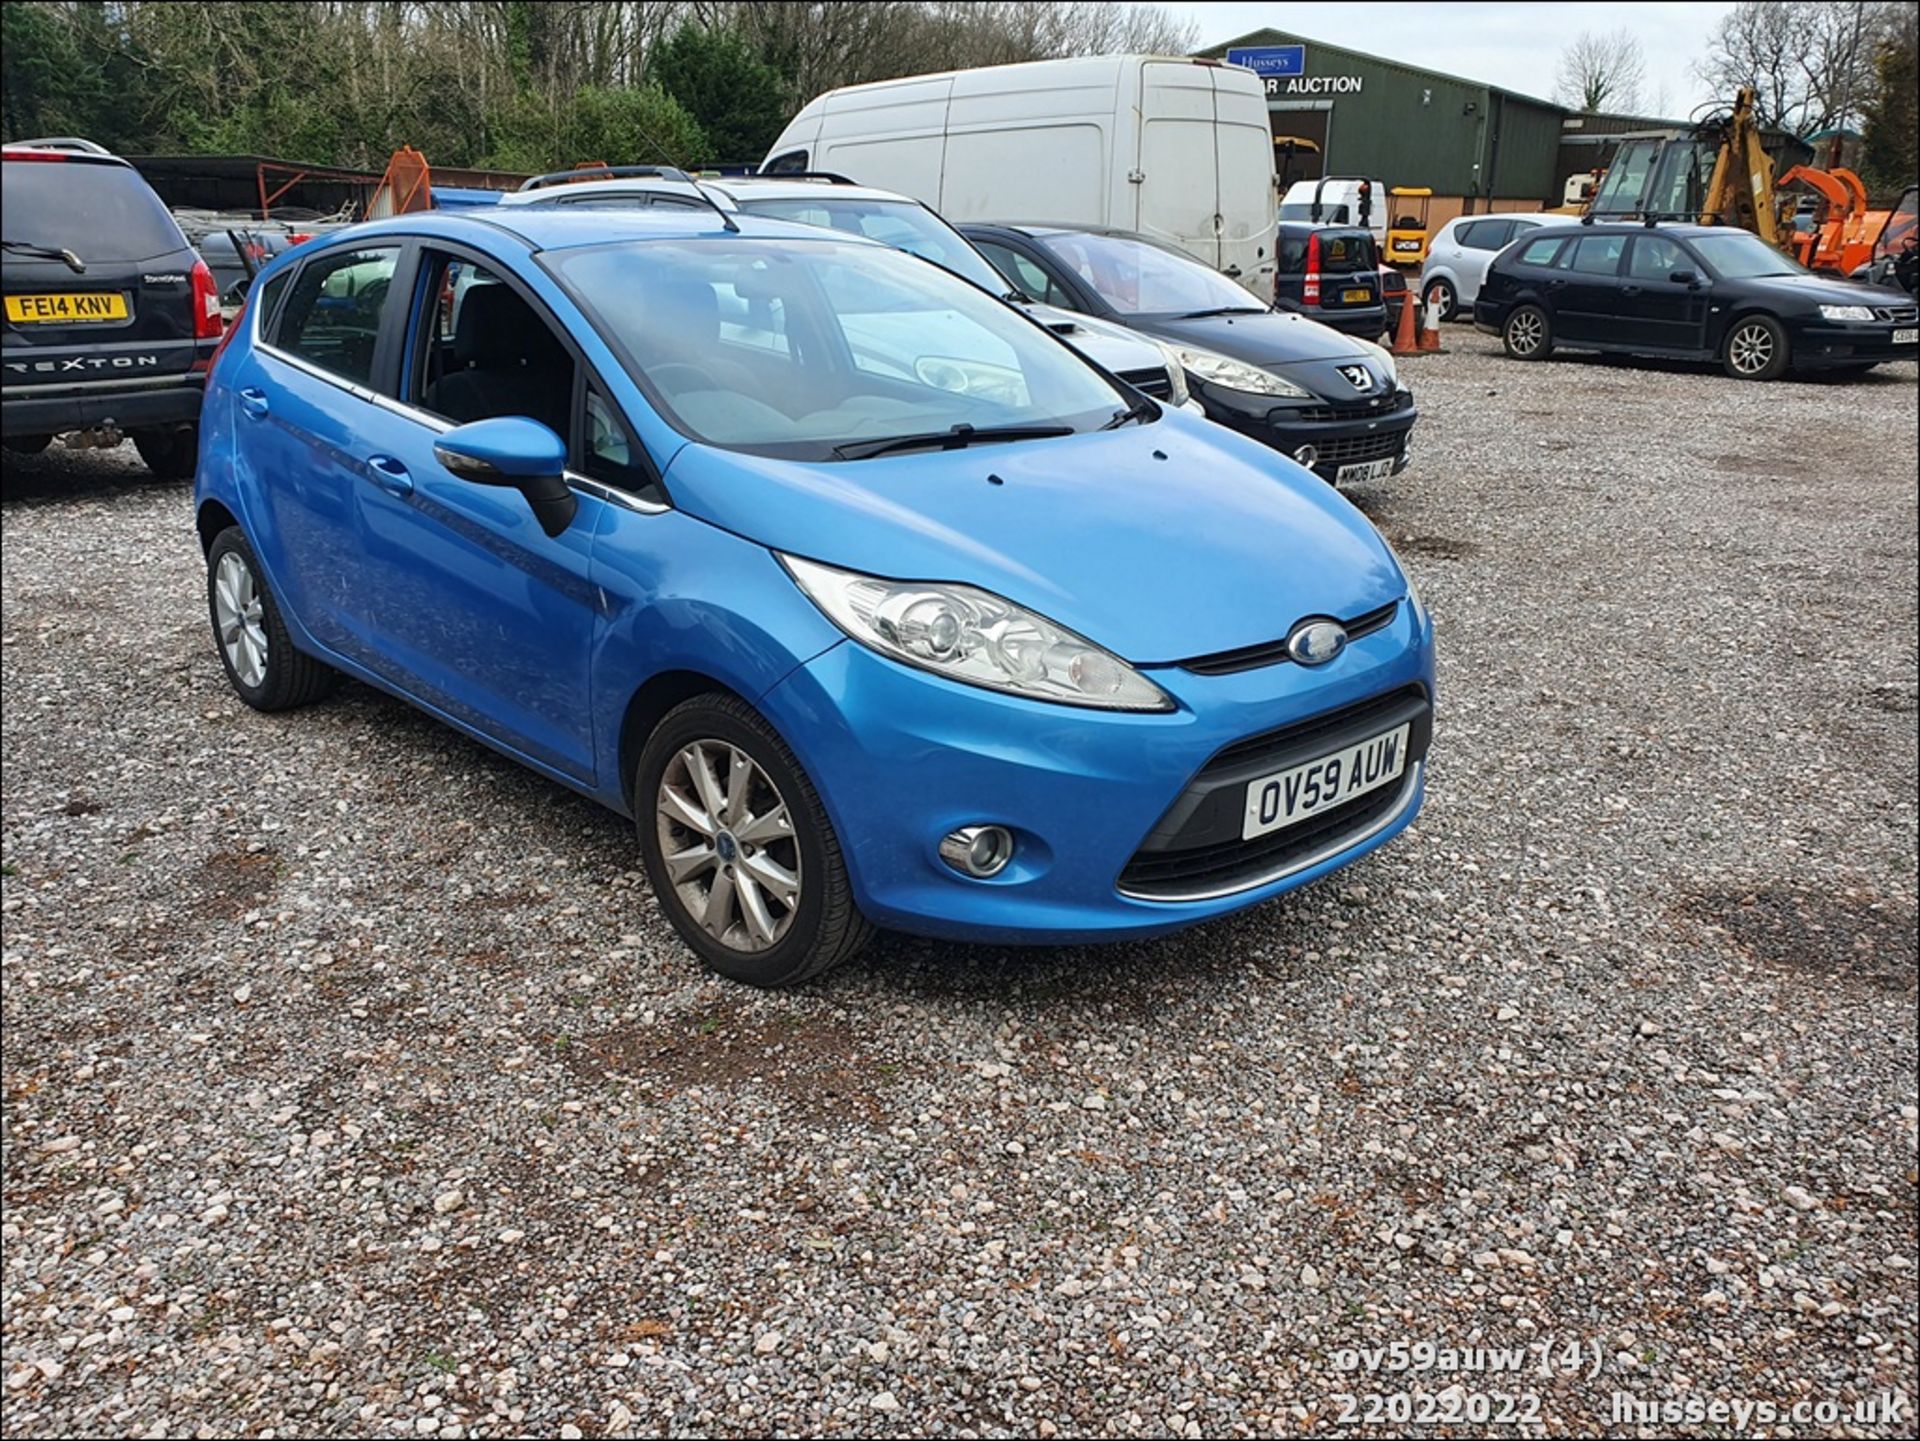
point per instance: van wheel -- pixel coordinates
(171, 453)
(262, 665)
(1443, 300)
(1755, 349)
(739, 849)
(1528, 333)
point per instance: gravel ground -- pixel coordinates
(354, 1085)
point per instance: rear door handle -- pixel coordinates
(1232, 272)
(254, 402)
(389, 474)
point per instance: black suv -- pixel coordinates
(111, 318)
(1330, 273)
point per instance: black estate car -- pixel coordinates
(1331, 401)
(1696, 292)
(111, 318)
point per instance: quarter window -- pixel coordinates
(332, 314)
(1541, 251)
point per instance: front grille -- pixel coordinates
(1156, 383)
(1237, 864)
(1360, 410)
(1197, 850)
(1274, 652)
(1352, 449)
(1898, 314)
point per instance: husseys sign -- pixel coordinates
(1283, 69)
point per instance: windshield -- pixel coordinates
(1136, 278)
(794, 350)
(100, 212)
(903, 224)
(1742, 255)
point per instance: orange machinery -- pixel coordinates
(1843, 234)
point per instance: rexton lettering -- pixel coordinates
(82, 363)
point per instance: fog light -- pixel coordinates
(979, 851)
(1306, 455)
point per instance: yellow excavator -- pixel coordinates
(1717, 173)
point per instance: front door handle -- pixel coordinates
(1629, 290)
(253, 401)
(389, 474)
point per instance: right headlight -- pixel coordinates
(1230, 374)
(975, 637)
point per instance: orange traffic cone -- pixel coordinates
(1404, 341)
(1429, 342)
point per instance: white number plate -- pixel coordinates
(1909, 336)
(1366, 470)
(1277, 801)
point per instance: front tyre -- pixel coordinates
(739, 849)
(170, 453)
(1755, 348)
(1528, 333)
(261, 663)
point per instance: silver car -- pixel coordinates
(1458, 258)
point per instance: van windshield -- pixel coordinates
(816, 351)
(1136, 278)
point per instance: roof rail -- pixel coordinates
(829, 177)
(625, 172)
(63, 142)
(605, 172)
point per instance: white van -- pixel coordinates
(1339, 201)
(1177, 150)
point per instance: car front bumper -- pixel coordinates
(1815, 344)
(50, 411)
(901, 758)
(1340, 436)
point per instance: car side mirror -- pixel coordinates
(515, 451)
(1684, 277)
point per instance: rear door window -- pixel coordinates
(1486, 234)
(1596, 255)
(332, 315)
(100, 212)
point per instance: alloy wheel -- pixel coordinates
(1751, 349)
(727, 840)
(241, 618)
(1524, 332)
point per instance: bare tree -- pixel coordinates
(1810, 62)
(1601, 72)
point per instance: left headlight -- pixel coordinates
(1846, 312)
(1231, 374)
(975, 637)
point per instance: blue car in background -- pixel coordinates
(864, 596)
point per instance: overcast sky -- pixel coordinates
(1516, 44)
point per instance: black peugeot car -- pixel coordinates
(111, 318)
(1331, 401)
(1692, 292)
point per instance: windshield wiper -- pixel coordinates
(1141, 410)
(1225, 310)
(957, 438)
(73, 262)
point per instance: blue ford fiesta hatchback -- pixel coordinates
(867, 599)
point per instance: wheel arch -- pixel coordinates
(210, 520)
(657, 695)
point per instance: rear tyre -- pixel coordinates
(1528, 333)
(262, 665)
(1755, 348)
(170, 453)
(738, 848)
(27, 444)
(1443, 299)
